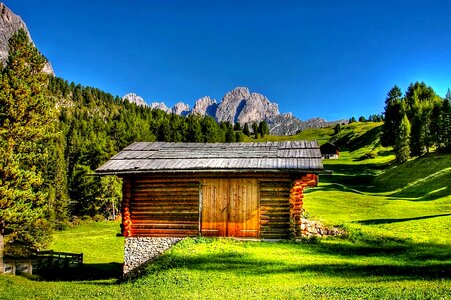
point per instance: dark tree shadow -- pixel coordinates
(390, 221)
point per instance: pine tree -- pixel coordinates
(402, 141)
(239, 137)
(255, 130)
(27, 121)
(445, 122)
(420, 100)
(194, 132)
(393, 115)
(211, 130)
(229, 133)
(337, 129)
(246, 130)
(263, 128)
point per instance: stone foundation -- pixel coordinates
(314, 228)
(140, 250)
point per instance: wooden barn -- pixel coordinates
(329, 151)
(243, 190)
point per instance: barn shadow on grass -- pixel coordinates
(87, 272)
(405, 260)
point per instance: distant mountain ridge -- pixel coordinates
(241, 106)
(237, 106)
(10, 23)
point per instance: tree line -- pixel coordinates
(416, 122)
(54, 134)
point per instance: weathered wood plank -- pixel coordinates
(275, 209)
(164, 208)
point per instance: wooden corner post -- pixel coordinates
(296, 202)
(126, 220)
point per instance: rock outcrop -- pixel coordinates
(133, 98)
(160, 105)
(205, 106)
(10, 23)
(284, 124)
(241, 106)
(181, 109)
(310, 228)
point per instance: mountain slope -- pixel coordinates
(10, 23)
(241, 106)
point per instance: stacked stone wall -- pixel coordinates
(141, 250)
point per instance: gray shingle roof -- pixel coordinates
(219, 157)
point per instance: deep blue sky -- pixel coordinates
(333, 58)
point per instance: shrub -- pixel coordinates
(86, 218)
(61, 225)
(369, 155)
(98, 218)
(310, 240)
(76, 221)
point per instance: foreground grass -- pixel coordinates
(409, 259)
(398, 247)
(228, 269)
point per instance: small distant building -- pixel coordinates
(242, 190)
(329, 151)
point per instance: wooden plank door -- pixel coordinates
(214, 207)
(230, 208)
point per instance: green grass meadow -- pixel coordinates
(397, 245)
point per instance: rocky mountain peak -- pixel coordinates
(242, 106)
(181, 109)
(161, 106)
(205, 106)
(239, 105)
(10, 23)
(237, 94)
(133, 98)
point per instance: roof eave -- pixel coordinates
(132, 172)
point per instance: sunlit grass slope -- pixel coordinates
(397, 246)
(355, 140)
(365, 267)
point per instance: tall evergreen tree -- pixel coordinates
(445, 123)
(402, 141)
(239, 137)
(420, 100)
(27, 120)
(246, 130)
(255, 130)
(211, 130)
(393, 116)
(263, 128)
(337, 129)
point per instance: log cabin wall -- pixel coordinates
(161, 207)
(233, 205)
(275, 209)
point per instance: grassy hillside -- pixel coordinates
(355, 140)
(322, 135)
(397, 246)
